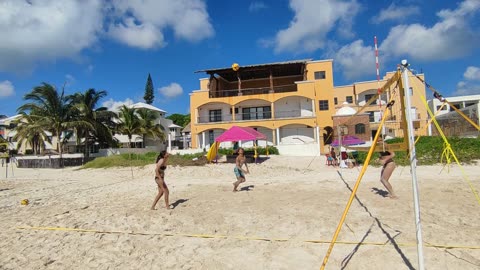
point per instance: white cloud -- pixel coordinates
(450, 38)
(69, 79)
(37, 31)
(144, 36)
(172, 90)
(44, 30)
(256, 6)
(90, 68)
(470, 86)
(146, 19)
(467, 88)
(472, 73)
(396, 13)
(312, 21)
(113, 105)
(6, 89)
(355, 59)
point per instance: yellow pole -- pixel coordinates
(354, 191)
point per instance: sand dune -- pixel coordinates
(287, 202)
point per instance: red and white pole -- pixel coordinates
(378, 72)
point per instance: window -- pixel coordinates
(359, 129)
(349, 99)
(335, 101)
(319, 75)
(454, 105)
(368, 97)
(215, 115)
(236, 110)
(323, 105)
(264, 112)
(371, 116)
(211, 136)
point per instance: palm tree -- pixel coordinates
(148, 125)
(130, 123)
(30, 132)
(86, 104)
(52, 111)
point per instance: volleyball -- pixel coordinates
(235, 66)
(24, 202)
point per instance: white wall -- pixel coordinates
(203, 112)
(311, 149)
(296, 134)
(291, 106)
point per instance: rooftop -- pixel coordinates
(260, 71)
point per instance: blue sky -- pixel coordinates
(112, 45)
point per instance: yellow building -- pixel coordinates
(292, 103)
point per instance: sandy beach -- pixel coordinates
(283, 218)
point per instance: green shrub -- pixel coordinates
(272, 150)
(429, 151)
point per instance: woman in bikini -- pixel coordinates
(238, 170)
(161, 166)
(386, 159)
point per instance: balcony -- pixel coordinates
(252, 91)
(258, 116)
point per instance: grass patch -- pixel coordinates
(141, 160)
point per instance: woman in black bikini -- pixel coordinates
(386, 159)
(161, 166)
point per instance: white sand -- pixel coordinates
(291, 198)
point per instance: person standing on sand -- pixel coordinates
(386, 159)
(238, 170)
(161, 166)
(235, 147)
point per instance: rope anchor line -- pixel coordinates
(250, 238)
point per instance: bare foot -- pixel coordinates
(152, 208)
(234, 188)
(170, 207)
(393, 197)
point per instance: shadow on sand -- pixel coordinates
(247, 188)
(381, 226)
(178, 202)
(380, 192)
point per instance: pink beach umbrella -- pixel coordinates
(348, 140)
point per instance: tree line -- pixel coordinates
(51, 113)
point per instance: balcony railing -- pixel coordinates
(288, 114)
(258, 116)
(252, 91)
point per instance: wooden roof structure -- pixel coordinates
(278, 69)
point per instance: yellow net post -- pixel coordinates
(354, 191)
